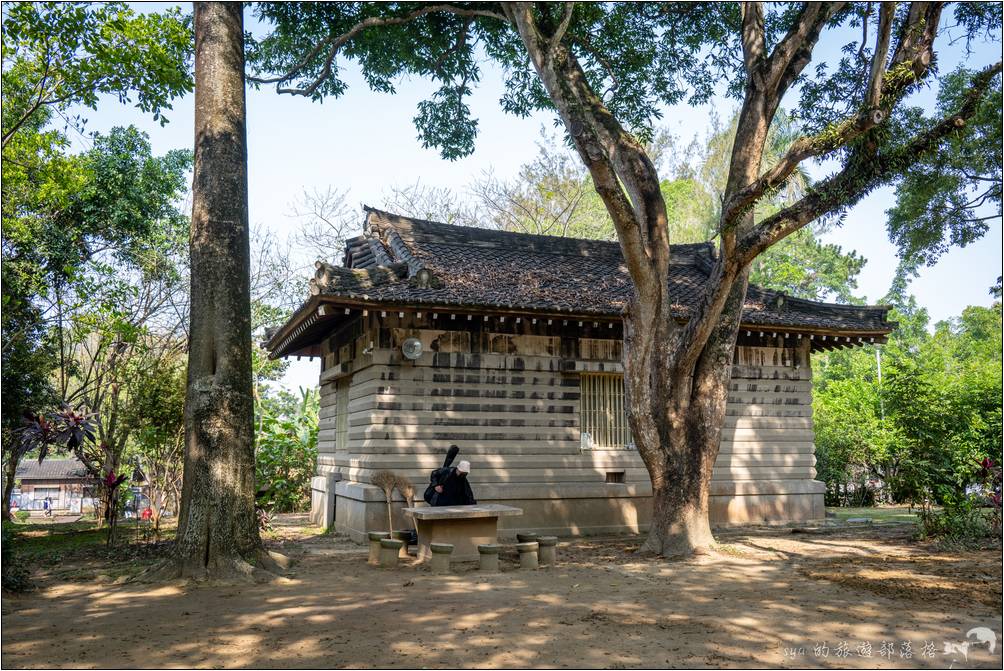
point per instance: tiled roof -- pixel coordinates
(401, 261)
(474, 267)
(51, 469)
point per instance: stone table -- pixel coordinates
(464, 527)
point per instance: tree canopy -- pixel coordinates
(640, 58)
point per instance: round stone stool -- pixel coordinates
(528, 537)
(402, 536)
(389, 552)
(489, 556)
(440, 561)
(527, 554)
(548, 550)
(375, 538)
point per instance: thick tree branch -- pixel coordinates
(559, 33)
(604, 62)
(767, 82)
(753, 39)
(768, 79)
(910, 65)
(916, 39)
(865, 170)
(887, 12)
(794, 51)
(613, 157)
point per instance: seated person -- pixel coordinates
(450, 486)
(456, 488)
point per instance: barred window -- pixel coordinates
(342, 414)
(603, 415)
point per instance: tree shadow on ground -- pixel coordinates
(602, 606)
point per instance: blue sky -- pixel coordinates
(366, 142)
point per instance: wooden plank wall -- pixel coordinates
(768, 425)
(510, 401)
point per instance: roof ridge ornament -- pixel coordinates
(325, 277)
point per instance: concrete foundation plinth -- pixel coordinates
(389, 552)
(374, 539)
(488, 554)
(440, 560)
(548, 552)
(528, 554)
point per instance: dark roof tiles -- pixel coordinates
(411, 262)
(483, 268)
(30, 470)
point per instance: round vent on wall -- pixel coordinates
(411, 348)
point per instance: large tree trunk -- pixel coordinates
(217, 529)
(9, 476)
(688, 411)
(676, 375)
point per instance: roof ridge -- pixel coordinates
(558, 240)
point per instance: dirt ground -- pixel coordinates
(859, 597)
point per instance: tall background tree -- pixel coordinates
(607, 70)
(64, 213)
(218, 529)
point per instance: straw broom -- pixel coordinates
(386, 480)
(407, 490)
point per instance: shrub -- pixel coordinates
(22, 515)
(286, 450)
(962, 522)
(16, 577)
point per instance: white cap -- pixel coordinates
(464, 467)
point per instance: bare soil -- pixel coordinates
(861, 597)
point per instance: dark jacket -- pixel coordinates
(439, 476)
(456, 490)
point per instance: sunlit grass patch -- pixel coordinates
(878, 514)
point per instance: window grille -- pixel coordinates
(342, 414)
(603, 415)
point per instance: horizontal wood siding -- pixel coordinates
(511, 401)
(769, 413)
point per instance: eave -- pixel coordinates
(320, 315)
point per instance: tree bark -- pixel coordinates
(9, 477)
(675, 375)
(681, 463)
(217, 529)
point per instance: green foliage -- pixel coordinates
(16, 575)
(22, 515)
(800, 265)
(63, 212)
(961, 523)
(951, 197)
(644, 56)
(803, 266)
(80, 234)
(286, 449)
(638, 58)
(60, 55)
(155, 411)
(924, 429)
